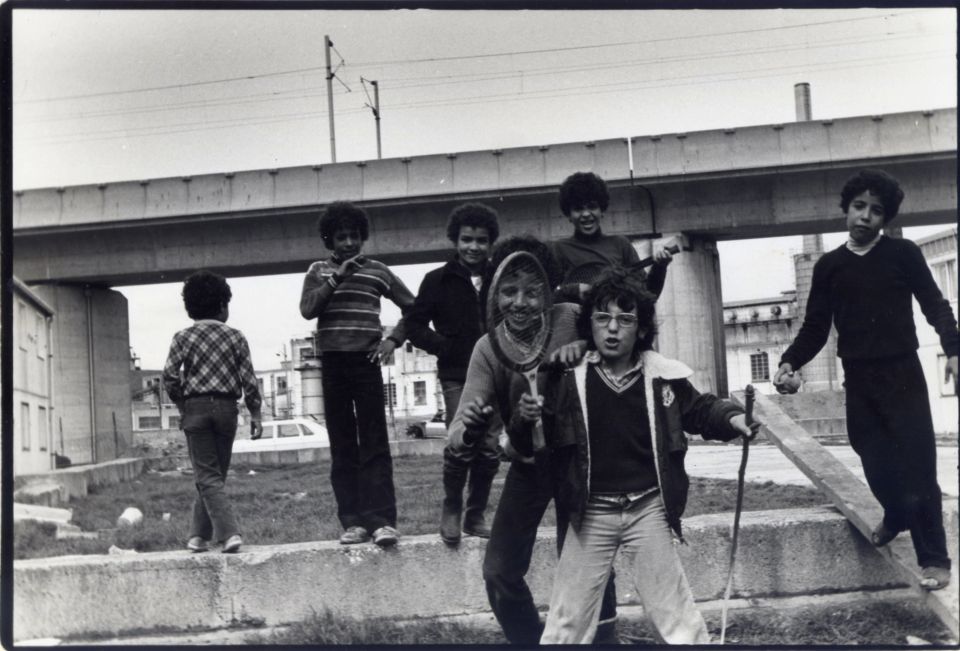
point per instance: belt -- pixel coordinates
(623, 499)
(212, 395)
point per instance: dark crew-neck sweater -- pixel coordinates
(621, 452)
(868, 298)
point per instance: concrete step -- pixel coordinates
(43, 494)
(41, 513)
(785, 552)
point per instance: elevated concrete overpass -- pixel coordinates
(74, 243)
(720, 184)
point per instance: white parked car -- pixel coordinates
(293, 434)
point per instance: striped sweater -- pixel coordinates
(348, 312)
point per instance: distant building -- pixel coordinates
(756, 333)
(34, 442)
(410, 384)
(151, 407)
(940, 250)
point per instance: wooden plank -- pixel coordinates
(854, 499)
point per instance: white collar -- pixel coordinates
(863, 249)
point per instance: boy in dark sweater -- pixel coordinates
(582, 257)
(207, 368)
(615, 430)
(865, 288)
(449, 297)
(343, 294)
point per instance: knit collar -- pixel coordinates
(594, 357)
(863, 249)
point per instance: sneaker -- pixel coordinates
(385, 536)
(197, 544)
(232, 546)
(934, 577)
(354, 535)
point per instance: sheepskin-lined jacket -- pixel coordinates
(674, 407)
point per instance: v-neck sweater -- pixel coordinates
(868, 299)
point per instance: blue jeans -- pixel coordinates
(640, 528)
(210, 425)
(527, 492)
(361, 468)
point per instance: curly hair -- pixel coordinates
(204, 294)
(580, 188)
(512, 244)
(875, 182)
(474, 215)
(342, 214)
(625, 289)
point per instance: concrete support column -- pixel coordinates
(91, 367)
(690, 312)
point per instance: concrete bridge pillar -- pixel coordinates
(91, 371)
(690, 312)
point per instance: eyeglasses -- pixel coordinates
(603, 319)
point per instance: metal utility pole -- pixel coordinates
(375, 108)
(327, 44)
(376, 114)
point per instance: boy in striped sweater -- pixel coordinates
(343, 293)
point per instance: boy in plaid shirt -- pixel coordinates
(215, 359)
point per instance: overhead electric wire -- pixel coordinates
(461, 57)
(604, 88)
(465, 78)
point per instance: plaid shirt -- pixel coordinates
(215, 359)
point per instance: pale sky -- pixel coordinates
(102, 96)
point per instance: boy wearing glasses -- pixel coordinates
(588, 252)
(615, 429)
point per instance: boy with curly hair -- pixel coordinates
(584, 199)
(866, 288)
(216, 368)
(343, 293)
(615, 429)
(449, 298)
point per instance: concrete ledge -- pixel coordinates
(788, 552)
(77, 480)
(402, 448)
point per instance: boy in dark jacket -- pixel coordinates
(584, 199)
(615, 426)
(865, 288)
(449, 298)
(343, 294)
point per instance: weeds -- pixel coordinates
(294, 503)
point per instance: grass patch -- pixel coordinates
(294, 503)
(865, 623)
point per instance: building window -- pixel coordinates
(409, 347)
(946, 275)
(390, 394)
(148, 422)
(947, 387)
(44, 428)
(173, 422)
(25, 425)
(288, 430)
(759, 368)
(281, 385)
(419, 393)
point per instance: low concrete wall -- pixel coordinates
(402, 448)
(788, 552)
(77, 480)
